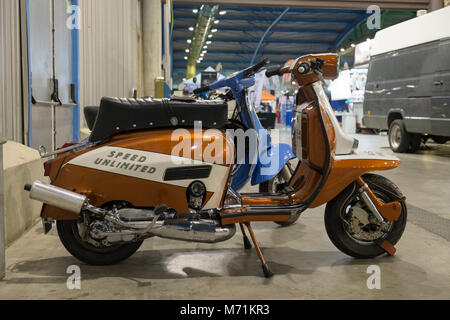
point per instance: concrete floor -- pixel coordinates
(305, 262)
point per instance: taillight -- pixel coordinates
(47, 167)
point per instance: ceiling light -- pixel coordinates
(195, 10)
(185, 58)
(191, 28)
(209, 35)
(352, 45)
(208, 42)
(204, 51)
(214, 30)
(202, 54)
(342, 50)
(184, 79)
(186, 50)
(189, 40)
(216, 21)
(222, 12)
(205, 47)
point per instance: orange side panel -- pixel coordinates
(345, 172)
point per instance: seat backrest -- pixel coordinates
(90, 114)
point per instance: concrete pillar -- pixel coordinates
(435, 5)
(152, 44)
(2, 218)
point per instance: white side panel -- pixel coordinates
(108, 50)
(429, 27)
(10, 72)
(344, 143)
(152, 166)
(367, 155)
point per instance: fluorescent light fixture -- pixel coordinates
(214, 30)
(342, 50)
(222, 12)
(216, 21)
(186, 50)
(195, 10)
(352, 45)
(208, 42)
(205, 47)
(191, 28)
(185, 58)
(189, 40)
(202, 54)
(209, 35)
(204, 51)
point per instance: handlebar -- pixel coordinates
(200, 90)
(246, 73)
(273, 71)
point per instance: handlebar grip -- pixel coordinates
(260, 64)
(200, 90)
(273, 71)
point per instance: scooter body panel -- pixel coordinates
(145, 169)
(349, 168)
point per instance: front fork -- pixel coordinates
(389, 211)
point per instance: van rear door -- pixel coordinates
(440, 102)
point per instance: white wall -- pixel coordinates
(109, 49)
(10, 71)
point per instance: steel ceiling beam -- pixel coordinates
(342, 4)
(282, 30)
(240, 40)
(286, 20)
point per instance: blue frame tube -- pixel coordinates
(76, 79)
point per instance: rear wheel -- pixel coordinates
(90, 251)
(352, 227)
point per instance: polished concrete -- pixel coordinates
(305, 262)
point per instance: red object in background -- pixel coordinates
(278, 117)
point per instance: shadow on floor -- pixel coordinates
(176, 264)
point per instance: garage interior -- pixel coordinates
(58, 57)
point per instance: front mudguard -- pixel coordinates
(271, 162)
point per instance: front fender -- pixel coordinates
(271, 162)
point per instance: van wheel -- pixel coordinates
(399, 139)
(414, 144)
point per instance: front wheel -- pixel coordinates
(352, 227)
(91, 251)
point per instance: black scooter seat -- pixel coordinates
(119, 115)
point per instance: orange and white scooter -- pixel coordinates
(148, 171)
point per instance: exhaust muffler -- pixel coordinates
(206, 231)
(56, 196)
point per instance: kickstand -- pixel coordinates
(265, 267)
(247, 244)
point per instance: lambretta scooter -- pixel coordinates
(140, 177)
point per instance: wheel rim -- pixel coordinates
(369, 233)
(395, 136)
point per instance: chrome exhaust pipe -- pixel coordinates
(205, 231)
(57, 197)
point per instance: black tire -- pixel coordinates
(414, 144)
(88, 253)
(335, 226)
(264, 187)
(399, 139)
